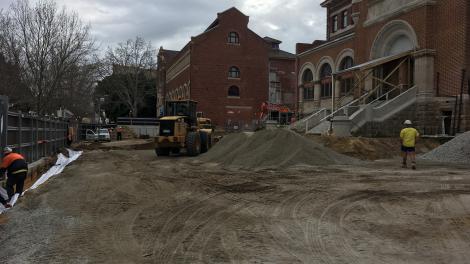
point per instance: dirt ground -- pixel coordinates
(128, 206)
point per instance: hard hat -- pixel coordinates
(7, 150)
(407, 122)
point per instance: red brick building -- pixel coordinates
(390, 59)
(227, 69)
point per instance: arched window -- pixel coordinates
(325, 78)
(234, 72)
(347, 80)
(307, 76)
(234, 91)
(233, 38)
(346, 63)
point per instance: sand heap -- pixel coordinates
(272, 148)
(455, 151)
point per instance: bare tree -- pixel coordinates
(48, 44)
(132, 63)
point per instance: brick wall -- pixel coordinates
(211, 59)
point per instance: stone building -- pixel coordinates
(384, 61)
(228, 69)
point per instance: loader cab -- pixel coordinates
(183, 108)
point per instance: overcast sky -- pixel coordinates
(171, 23)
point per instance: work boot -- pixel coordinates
(403, 165)
(413, 166)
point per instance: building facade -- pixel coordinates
(226, 69)
(395, 58)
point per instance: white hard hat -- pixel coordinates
(407, 122)
(7, 150)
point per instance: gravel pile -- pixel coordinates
(272, 148)
(455, 151)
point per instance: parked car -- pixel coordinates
(98, 135)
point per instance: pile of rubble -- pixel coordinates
(455, 151)
(272, 148)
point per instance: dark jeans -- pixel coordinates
(12, 181)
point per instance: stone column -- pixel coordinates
(317, 94)
(301, 99)
(338, 88)
(424, 74)
(427, 114)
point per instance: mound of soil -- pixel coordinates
(272, 148)
(371, 148)
(455, 151)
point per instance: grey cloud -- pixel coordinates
(171, 23)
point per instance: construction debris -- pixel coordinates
(272, 148)
(455, 151)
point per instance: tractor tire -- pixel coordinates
(204, 142)
(162, 151)
(175, 151)
(210, 141)
(193, 143)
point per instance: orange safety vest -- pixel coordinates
(9, 159)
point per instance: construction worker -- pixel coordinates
(119, 131)
(408, 137)
(17, 169)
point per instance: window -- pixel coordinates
(325, 77)
(346, 63)
(308, 93)
(233, 38)
(345, 19)
(308, 76)
(234, 72)
(347, 85)
(233, 91)
(325, 71)
(335, 24)
(347, 81)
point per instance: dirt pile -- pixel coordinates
(272, 148)
(371, 148)
(455, 151)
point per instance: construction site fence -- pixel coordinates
(33, 137)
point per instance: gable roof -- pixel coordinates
(215, 23)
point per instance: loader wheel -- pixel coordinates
(210, 141)
(162, 151)
(193, 143)
(204, 142)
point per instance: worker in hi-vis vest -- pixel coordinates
(408, 137)
(17, 169)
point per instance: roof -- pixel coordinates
(272, 40)
(280, 54)
(216, 21)
(169, 54)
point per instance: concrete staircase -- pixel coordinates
(352, 116)
(305, 124)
